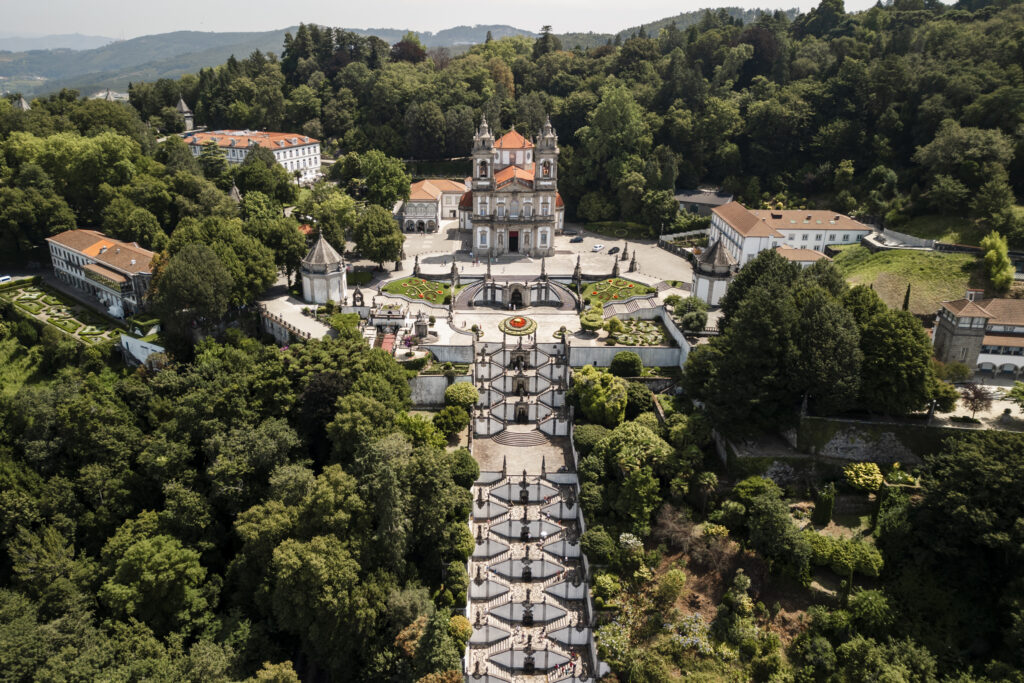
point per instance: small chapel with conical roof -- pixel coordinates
(513, 206)
(323, 274)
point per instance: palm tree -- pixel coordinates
(707, 483)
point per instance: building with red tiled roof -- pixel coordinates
(116, 273)
(987, 335)
(430, 201)
(513, 205)
(746, 232)
(297, 154)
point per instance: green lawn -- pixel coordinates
(611, 290)
(358, 278)
(417, 288)
(933, 277)
(16, 366)
(621, 230)
(951, 229)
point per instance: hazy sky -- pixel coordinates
(130, 18)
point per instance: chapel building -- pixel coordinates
(513, 206)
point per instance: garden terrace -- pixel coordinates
(419, 289)
(70, 317)
(613, 289)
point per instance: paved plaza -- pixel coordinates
(436, 251)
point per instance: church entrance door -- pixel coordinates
(516, 299)
(513, 242)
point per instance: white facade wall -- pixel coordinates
(709, 290)
(303, 158)
(743, 249)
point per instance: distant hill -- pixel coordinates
(682, 21)
(169, 55)
(687, 19)
(457, 35)
(71, 41)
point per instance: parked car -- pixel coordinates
(577, 239)
(613, 250)
(4, 278)
(598, 247)
(569, 232)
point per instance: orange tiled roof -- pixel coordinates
(743, 221)
(966, 308)
(803, 219)
(514, 172)
(1003, 340)
(431, 188)
(513, 140)
(558, 201)
(466, 201)
(126, 257)
(245, 138)
(105, 272)
(801, 255)
(1004, 311)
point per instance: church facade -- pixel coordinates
(513, 206)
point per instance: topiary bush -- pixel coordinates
(864, 476)
(824, 503)
(587, 436)
(461, 394)
(626, 364)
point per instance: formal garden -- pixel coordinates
(639, 333)
(613, 289)
(418, 289)
(70, 317)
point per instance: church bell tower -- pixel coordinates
(545, 156)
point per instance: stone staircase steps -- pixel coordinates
(521, 439)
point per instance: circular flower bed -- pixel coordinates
(518, 325)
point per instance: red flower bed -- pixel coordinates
(517, 323)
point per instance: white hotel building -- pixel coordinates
(116, 273)
(745, 233)
(296, 153)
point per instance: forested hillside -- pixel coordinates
(894, 112)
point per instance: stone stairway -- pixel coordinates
(521, 439)
(527, 625)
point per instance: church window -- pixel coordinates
(543, 238)
(483, 169)
(546, 169)
(483, 238)
(514, 208)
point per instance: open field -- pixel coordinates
(933, 277)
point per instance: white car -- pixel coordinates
(598, 247)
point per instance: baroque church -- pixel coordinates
(513, 206)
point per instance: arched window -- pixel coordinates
(483, 169)
(514, 209)
(545, 169)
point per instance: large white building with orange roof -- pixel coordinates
(745, 233)
(297, 154)
(116, 273)
(513, 206)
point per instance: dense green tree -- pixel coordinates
(193, 286)
(161, 583)
(997, 261)
(601, 396)
(896, 373)
(373, 176)
(377, 236)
